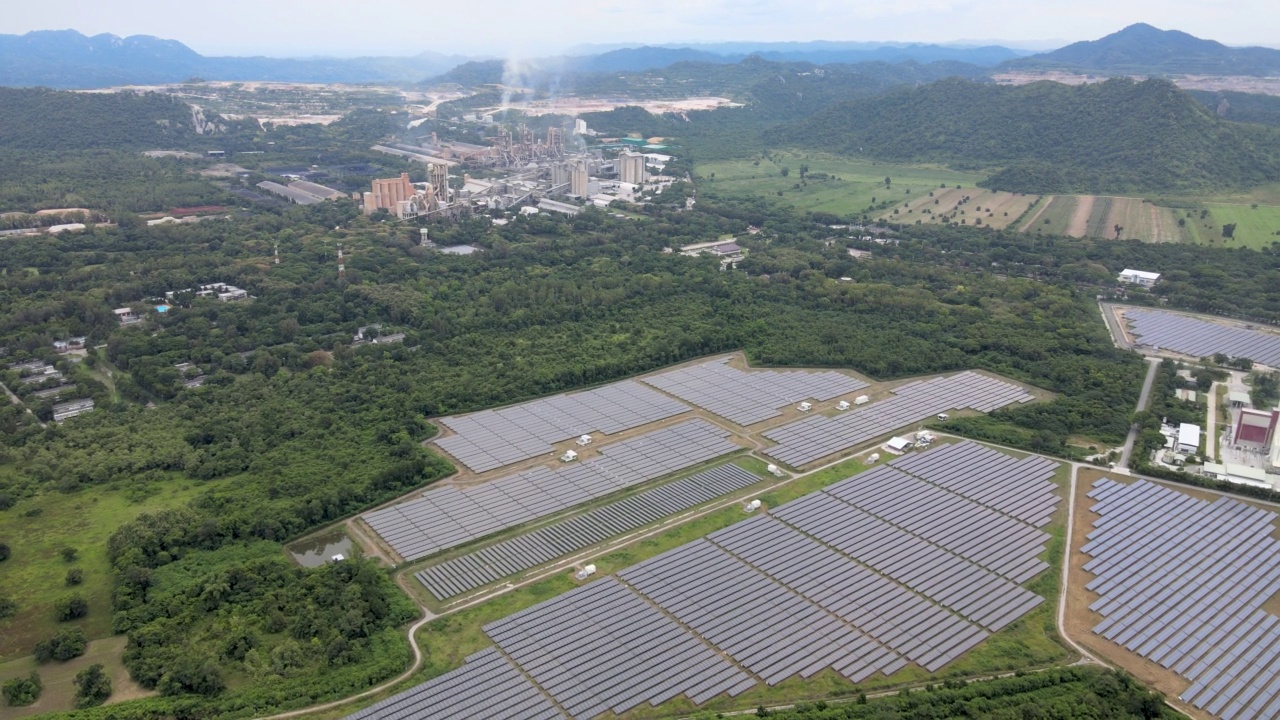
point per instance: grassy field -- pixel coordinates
(59, 690)
(37, 529)
(1256, 227)
(973, 206)
(843, 186)
(1053, 217)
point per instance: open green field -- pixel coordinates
(59, 689)
(37, 529)
(842, 186)
(972, 206)
(1256, 227)
(1052, 215)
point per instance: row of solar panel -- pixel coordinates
(747, 398)
(1020, 488)
(490, 564)
(816, 437)
(1201, 338)
(449, 516)
(493, 438)
(1182, 582)
(776, 594)
(602, 648)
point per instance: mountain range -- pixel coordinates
(70, 60)
(1146, 50)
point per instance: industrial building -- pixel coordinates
(1256, 429)
(1188, 442)
(1138, 277)
(67, 410)
(631, 168)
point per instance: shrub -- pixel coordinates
(69, 553)
(66, 644)
(23, 691)
(4, 552)
(75, 576)
(8, 608)
(93, 687)
(71, 607)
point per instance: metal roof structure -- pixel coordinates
(1182, 582)
(747, 398)
(1202, 338)
(493, 438)
(490, 564)
(816, 437)
(449, 516)
(820, 582)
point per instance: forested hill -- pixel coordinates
(1144, 49)
(47, 120)
(1115, 136)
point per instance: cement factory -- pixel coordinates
(522, 169)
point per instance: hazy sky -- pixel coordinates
(507, 27)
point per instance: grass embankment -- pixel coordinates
(37, 529)
(843, 186)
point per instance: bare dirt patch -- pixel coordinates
(1079, 224)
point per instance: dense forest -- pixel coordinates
(1115, 136)
(1063, 694)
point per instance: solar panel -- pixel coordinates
(487, 565)
(816, 437)
(839, 579)
(1201, 338)
(487, 686)
(602, 648)
(449, 516)
(493, 438)
(745, 397)
(1182, 582)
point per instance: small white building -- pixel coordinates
(897, 445)
(873, 458)
(842, 405)
(805, 406)
(752, 506)
(584, 440)
(586, 572)
(569, 456)
(1188, 439)
(861, 400)
(1138, 277)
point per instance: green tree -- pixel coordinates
(75, 576)
(67, 643)
(93, 686)
(20, 692)
(785, 171)
(71, 607)
(4, 552)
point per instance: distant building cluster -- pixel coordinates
(302, 192)
(220, 290)
(1139, 277)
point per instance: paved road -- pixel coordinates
(1143, 398)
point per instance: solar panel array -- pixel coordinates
(983, 536)
(449, 516)
(818, 436)
(1182, 582)
(602, 648)
(1017, 487)
(904, 621)
(747, 398)
(979, 595)
(1201, 338)
(770, 631)
(488, 686)
(493, 438)
(816, 583)
(490, 564)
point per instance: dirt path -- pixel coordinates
(1157, 226)
(1079, 224)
